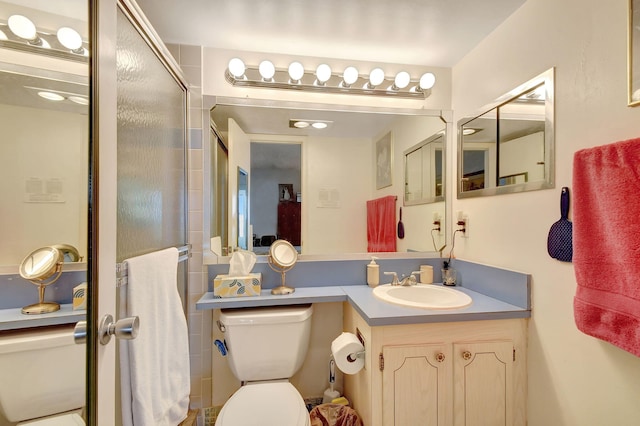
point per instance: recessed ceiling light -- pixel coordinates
(469, 131)
(319, 125)
(51, 96)
(79, 100)
(301, 124)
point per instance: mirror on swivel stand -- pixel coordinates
(282, 257)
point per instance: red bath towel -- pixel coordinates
(381, 224)
(606, 243)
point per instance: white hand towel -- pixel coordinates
(154, 367)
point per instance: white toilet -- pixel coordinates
(43, 377)
(266, 346)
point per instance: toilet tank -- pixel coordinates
(266, 343)
(43, 372)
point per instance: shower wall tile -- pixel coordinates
(190, 60)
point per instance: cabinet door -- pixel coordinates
(416, 385)
(483, 383)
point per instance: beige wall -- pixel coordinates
(573, 379)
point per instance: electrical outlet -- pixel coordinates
(462, 223)
(437, 224)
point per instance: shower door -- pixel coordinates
(141, 187)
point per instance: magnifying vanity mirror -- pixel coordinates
(282, 258)
(309, 186)
(42, 267)
(509, 145)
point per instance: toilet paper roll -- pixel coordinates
(344, 349)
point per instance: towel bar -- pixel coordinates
(184, 253)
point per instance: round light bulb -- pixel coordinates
(350, 75)
(468, 131)
(301, 124)
(267, 70)
(323, 73)
(376, 77)
(319, 125)
(51, 96)
(427, 81)
(296, 71)
(236, 67)
(22, 27)
(3, 36)
(69, 38)
(402, 80)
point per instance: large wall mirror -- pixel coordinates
(44, 149)
(509, 146)
(309, 185)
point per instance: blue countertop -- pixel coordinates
(373, 310)
(12, 319)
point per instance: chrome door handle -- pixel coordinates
(80, 333)
(125, 328)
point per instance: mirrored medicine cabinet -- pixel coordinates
(509, 145)
(424, 171)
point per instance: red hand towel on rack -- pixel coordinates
(381, 224)
(606, 243)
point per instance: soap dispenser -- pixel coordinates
(373, 273)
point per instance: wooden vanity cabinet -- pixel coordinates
(441, 374)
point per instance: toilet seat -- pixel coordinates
(70, 419)
(265, 403)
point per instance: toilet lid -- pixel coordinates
(66, 419)
(259, 404)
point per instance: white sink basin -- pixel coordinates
(423, 296)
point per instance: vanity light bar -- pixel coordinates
(323, 80)
(65, 43)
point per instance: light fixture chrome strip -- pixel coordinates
(361, 86)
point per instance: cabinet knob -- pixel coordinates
(440, 357)
(466, 355)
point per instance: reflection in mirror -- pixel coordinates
(243, 209)
(423, 171)
(510, 146)
(337, 171)
(44, 168)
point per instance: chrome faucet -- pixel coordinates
(394, 281)
(410, 280)
(406, 281)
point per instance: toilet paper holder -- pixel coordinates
(352, 357)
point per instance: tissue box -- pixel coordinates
(248, 285)
(80, 297)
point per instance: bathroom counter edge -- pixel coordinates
(375, 312)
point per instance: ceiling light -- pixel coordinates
(267, 70)
(296, 71)
(427, 81)
(301, 124)
(349, 76)
(469, 131)
(81, 100)
(22, 27)
(236, 67)
(401, 81)
(51, 96)
(323, 74)
(376, 77)
(70, 39)
(319, 125)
